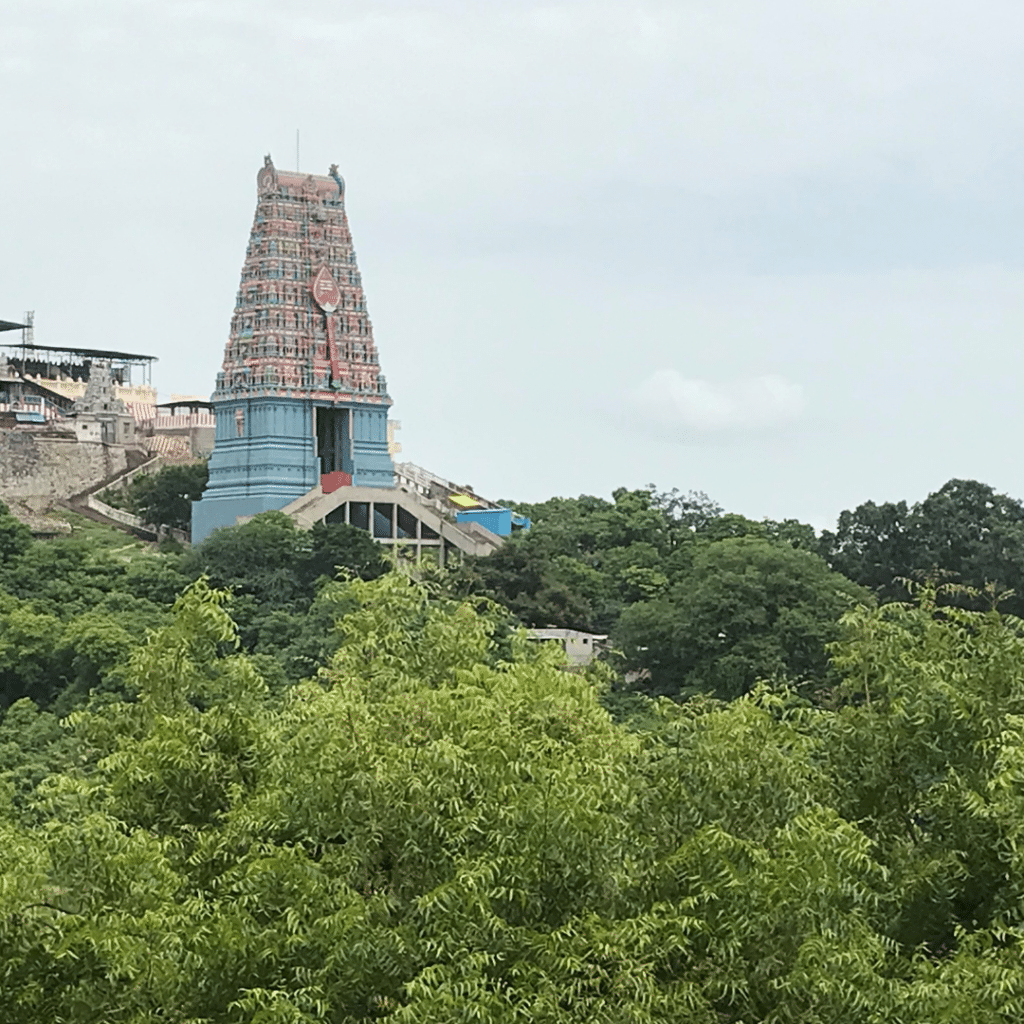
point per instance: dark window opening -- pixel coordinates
(406, 523)
(382, 513)
(359, 514)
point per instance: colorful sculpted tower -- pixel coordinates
(300, 396)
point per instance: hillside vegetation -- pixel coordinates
(236, 786)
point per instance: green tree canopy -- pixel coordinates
(965, 531)
(438, 831)
(747, 609)
(15, 536)
(164, 498)
(586, 558)
(261, 557)
(277, 564)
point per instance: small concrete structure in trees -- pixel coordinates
(580, 648)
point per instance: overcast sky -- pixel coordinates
(771, 251)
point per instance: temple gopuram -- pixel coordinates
(301, 396)
(301, 406)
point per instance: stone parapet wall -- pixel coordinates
(117, 514)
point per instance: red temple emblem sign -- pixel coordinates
(326, 291)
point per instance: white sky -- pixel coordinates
(772, 251)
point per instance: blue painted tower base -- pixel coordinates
(268, 452)
(211, 514)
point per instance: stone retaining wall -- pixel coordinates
(49, 465)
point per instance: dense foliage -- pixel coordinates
(163, 498)
(745, 609)
(695, 600)
(965, 531)
(277, 779)
(432, 830)
(71, 609)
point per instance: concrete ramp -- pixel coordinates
(393, 517)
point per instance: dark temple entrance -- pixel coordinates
(333, 441)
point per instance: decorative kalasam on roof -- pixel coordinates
(300, 327)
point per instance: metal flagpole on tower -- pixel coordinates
(296, 149)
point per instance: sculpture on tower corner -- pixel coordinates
(333, 172)
(300, 394)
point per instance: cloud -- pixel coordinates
(672, 400)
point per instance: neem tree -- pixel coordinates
(440, 830)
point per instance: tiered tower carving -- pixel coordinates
(300, 394)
